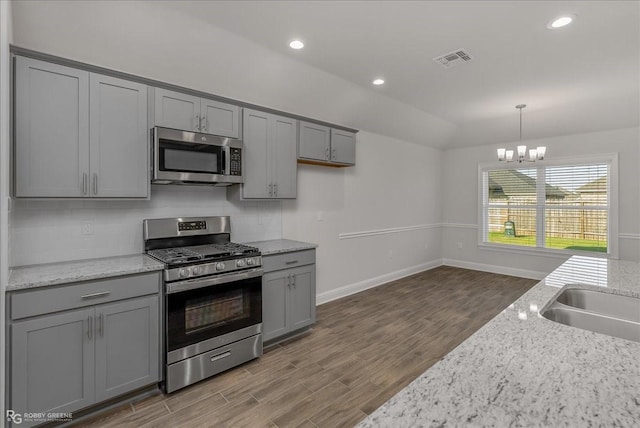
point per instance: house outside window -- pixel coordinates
(562, 206)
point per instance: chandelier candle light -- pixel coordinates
(534, 154)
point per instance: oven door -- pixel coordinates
(204, 310)
(189, 157)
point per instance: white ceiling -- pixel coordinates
(581, 78)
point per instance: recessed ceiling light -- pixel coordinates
(296, 44)
(378, 82)
(560, 21)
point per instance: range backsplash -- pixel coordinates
(44, 231)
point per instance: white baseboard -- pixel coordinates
(522, 273)
(357, 287)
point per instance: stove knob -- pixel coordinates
(240, 263)
(183, 273)
(251, 262)
(220, 266)
(197, 270)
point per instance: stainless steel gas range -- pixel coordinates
(213, 297)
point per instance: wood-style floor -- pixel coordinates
(363, 350)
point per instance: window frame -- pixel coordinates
(612, 193)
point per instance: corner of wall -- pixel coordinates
(5, 39)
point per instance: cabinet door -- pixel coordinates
(256, 132)
(303, 296)
(284, 166)
(314, 141)
(177, 111)
(275, 297)
(52, 130)
(220, 118)
(343, 147)
(118, 138)
(127, 346)
(52, 362)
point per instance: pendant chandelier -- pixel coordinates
(534, 154)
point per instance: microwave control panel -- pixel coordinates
(235, 166)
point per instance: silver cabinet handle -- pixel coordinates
(275, 190)
(197, 123)
(95, 295)
(326, 154)
(101, 325)
(95, 183)
(84, 183)
(333, 154)
(293, 277)
(89, 327)
(220, 356)
(291, 262)
(203, 123)
(270, 189)
(289, 280)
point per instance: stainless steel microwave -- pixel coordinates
(181, 157)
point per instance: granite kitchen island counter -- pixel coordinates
(521, 369)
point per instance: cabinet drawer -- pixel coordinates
(288, 260)
(60, 298)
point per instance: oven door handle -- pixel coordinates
(192, 284)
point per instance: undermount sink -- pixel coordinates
(597, 311)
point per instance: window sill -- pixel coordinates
(543, 252)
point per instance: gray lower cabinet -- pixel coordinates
(324, 145)
(78, 134)
(186, 112)
(70, 360)
(289, 294)
(270, 168)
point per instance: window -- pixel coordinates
(552, 206)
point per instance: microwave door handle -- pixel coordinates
(225, 162)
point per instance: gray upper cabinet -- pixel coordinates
(328, 146)
(343, 147)
(176, 110)
(220, 118)
(283, 157)
(186, 112)
(118, 138)
(51, 130)
(269, 157)
(314, 141)
(78, 134)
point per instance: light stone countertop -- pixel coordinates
(24, 277)
(276, 246)
(523, 370)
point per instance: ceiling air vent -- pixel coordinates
(456, 57)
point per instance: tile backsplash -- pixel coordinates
(44, 231)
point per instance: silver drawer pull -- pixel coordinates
(95, 295)
(291, 262)
(220, 356)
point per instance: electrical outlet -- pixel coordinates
(87, 228)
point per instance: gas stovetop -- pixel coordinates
(197, 247)
(203, 253)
